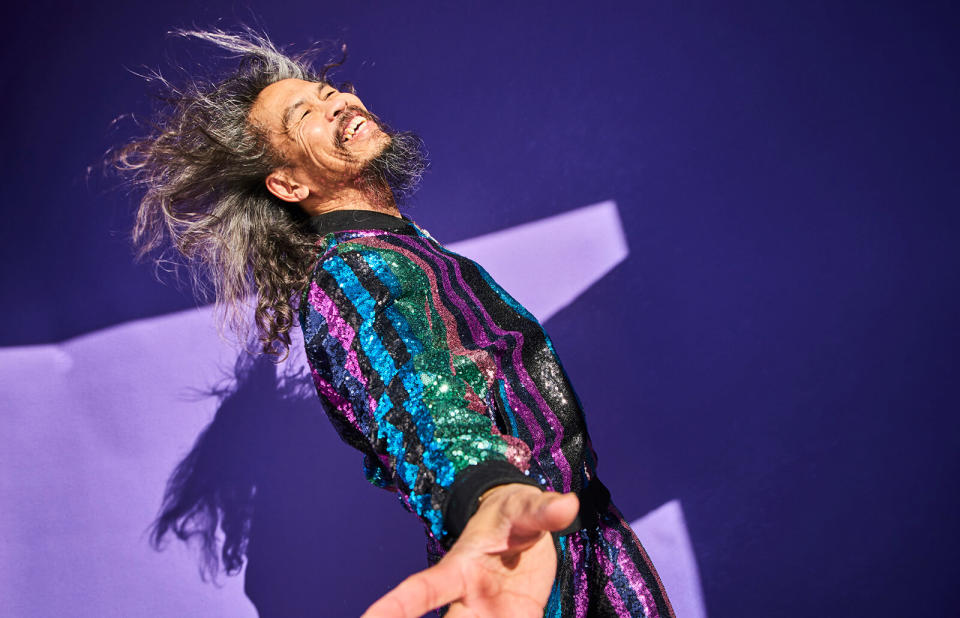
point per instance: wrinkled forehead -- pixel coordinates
(273, 102)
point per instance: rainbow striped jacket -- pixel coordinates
(448, 386)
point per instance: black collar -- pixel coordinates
(353, 219)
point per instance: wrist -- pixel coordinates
(494, 494)
(471, 483)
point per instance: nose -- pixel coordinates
(335, 106)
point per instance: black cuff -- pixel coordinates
(467, 488)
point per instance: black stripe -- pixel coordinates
(508, 319)
(355, 219)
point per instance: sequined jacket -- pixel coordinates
(448, 386)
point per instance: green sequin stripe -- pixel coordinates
(438, 388)
(452, 382)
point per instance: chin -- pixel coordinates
(397, 166)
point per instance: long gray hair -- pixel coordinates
(201, 168)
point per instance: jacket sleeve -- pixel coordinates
(377, 338)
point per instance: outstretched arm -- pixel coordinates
(503, 564)
(401, 386)
(404, 387)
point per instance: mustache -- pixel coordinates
(348, 114)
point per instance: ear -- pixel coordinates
(282, 184)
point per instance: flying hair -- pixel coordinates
(200, 171)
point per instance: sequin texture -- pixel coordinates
(427, 366)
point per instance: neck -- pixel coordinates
(352, 199)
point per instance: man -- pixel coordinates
(274, 180)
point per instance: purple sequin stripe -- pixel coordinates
(397, 295)
(633, 575)
(581, 591)
(453, 341)
(345, 335)
(480, 336)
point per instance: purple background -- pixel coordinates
(778, 351)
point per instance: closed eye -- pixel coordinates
(323, 97)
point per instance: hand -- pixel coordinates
(503, 564)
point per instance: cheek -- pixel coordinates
(322, 152)
(319, 146)
(316, 135)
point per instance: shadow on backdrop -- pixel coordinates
(260, 471)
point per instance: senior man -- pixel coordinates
(270, 179)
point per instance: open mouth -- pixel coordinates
(355, 126)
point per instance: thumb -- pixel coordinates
(546, 512)
(558, 511)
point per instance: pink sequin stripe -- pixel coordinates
(483, 359)
(338, 327)
(581, 590)
(611, 591)
(556, 450)
(633, 576)
(480, 358)
(339, 401)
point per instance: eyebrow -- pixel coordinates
(288, 113)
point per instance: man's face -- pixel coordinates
(326, 135)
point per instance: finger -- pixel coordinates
(420, 593)
(541, 513)
(458, 610)
(559, 511)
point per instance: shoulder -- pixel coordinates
(368, 271)
(390, 258)
(359, 245)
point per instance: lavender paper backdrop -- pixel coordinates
(767, 354)
(115, 408)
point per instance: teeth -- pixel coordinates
(353, 127)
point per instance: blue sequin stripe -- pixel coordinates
(554, 608)
(478, 283)
(506, 407)
(478, 294)
(433, 455)
(589, 452)
(437, 454)
(382, 362)
(435, 262)
(326, 355)
(503, 294)
(433, 450)
(618, 578)
(376, 266)
(440, 260)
